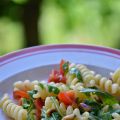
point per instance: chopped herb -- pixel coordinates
(53, 89)
(65, 67)
(31, 93)
(29, 106)
(25, 103)
(107, 98)
(26, 106)
(76, 73)
(54, 116)
(41, 85)
(105, 116)
(115, 111)
(95, 106)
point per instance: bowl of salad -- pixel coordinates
(60, 82)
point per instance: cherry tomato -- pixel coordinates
(56, 77)
(20, 94)
(66, 98)
(38, 104)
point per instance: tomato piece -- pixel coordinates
(65, 98)
(20, 94)
(38, 104)
(56, 77)
(71, 94)
(20, 102)
(61, 66)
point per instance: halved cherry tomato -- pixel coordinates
(61, 66)
(66, 98)
(38, 104)
(20, 102)
(71, 94)
(56, 77)
(20, 94)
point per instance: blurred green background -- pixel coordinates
(25, 23)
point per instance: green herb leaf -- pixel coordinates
(106, 97)
(41, 85)
(76, 73)
(25, 103)
(65, 67)
(54, 116)
(105, 116)
(31, 93)
(53, 89)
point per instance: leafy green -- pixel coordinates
(105, 115)
(54, 116)
(95, 106)
(115, 111)
(65, 67)
(41, 85)
(29, 106)
(31, 93)
(106, 97)
(76, 73)
(53, 89)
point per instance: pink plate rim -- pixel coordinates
(57, 46)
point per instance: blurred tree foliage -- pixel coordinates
(60, 21)
(26, 12)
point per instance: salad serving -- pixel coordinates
(74, 92)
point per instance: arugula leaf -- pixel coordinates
(29, 106)
(105, 116)
(54, 116)
(53, 89)
(31, 93)
(41, 85)
(95, 106)
(107, 98)
(65, 67)
(115, 111)
(76, 73)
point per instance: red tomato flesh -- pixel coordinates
(20, 94)
(66, 98)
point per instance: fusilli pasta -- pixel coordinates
(116, 76)
(25, 85)
(12, 110)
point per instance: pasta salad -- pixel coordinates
(74, 92)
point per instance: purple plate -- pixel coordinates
(36, 62)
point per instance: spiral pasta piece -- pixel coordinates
(116, 76)
(116, 106)
(68, 113)
(25, 85)
(116, 116)
(12, 110)
(107, 85)
(87, 76)
(43, 92)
